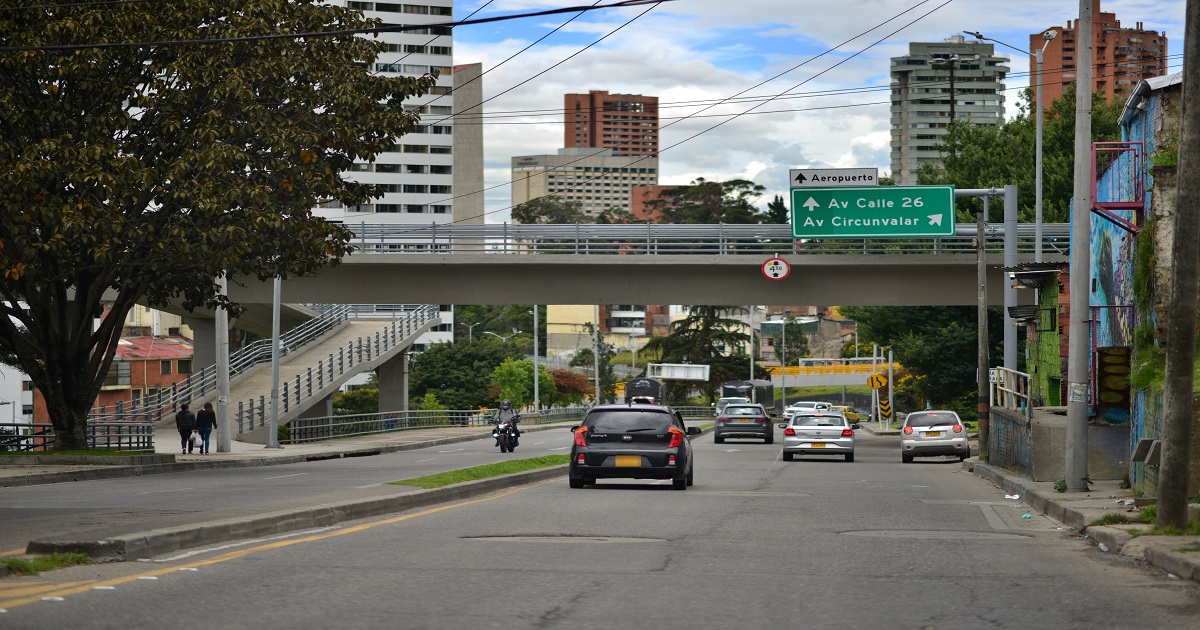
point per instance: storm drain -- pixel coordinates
(932, 534)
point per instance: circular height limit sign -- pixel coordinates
(776, 269)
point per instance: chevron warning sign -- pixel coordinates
(885, 409)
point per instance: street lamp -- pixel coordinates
(471, 331)
(1037, 54)
(502, 337)
(14, 408)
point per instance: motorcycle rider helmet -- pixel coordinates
(506, 404)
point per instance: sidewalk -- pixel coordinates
(1177, 555)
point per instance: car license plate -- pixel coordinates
(818, 445)
(629, 461)
(743, 419)
(933, 434)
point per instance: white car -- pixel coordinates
(818, 433)
(805, 406)
(933, 432)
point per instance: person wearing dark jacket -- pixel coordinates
(206, 423)
(185, 421)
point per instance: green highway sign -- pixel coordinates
(873, 212)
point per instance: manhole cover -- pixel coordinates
(935, 534)
(565, 539)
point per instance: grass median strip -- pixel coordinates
(483, 472)
(36, 565)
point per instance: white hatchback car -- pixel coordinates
(818, 433)
(933, 432)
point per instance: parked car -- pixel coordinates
(632, 442)
(719, 406)
(818, 433)
(933, 432)
(744, 421)
(804, 405)
(850, 412)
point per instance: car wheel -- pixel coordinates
(691, 478)
(770, 439)
(575, 482)
(787, 457)
(962, 457)
(849, 457)
(680, 483)
(906, 458)
(718, 439)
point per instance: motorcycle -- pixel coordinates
(505, 432)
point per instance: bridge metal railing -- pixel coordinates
(255, 413)
(107, 435)
(302, 430)
(673, 239)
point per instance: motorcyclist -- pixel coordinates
(506, 413)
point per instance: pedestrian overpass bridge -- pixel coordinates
(657, 264)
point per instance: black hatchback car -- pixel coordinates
(632, 442)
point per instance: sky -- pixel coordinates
(806, 81)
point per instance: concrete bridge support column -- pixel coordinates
(204, 341)
(320, 409)
(393, 383)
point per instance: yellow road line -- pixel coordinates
(14, 552)
(74, 588)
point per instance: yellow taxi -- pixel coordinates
(850, 412)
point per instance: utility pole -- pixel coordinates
(536, 366)
(1179, 429)
(981, 368)
(224, 422)
(1077, 349)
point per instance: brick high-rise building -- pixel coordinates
(625, 123)
(1120, 56)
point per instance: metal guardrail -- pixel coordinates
(1011, 389)
(129, 436)
(255, 413)
(302, 430)
(669, 239)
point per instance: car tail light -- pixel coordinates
(671, 460)
(580, 460)
(958, 428)
(789, 431)
(581, 437)
(847, 433)
(722, 419)
(907, 430)
(676, 437)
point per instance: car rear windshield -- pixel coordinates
(628, 421)
(818, 421)
(742, 411)
(930, 419)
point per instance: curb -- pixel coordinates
(1179, 563)
(140, 545)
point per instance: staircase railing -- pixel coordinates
(255, 413)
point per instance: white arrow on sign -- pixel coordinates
(810, 204)
(935, 219)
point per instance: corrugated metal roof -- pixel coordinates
(135, 348)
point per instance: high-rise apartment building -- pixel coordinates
(597, 179)
(625, 123)
(1121, 57)
(934, 84)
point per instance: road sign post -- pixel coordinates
(875, 212)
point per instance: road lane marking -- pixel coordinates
(422, 461)
(457, 450)
(285, 476)
(165, 491)
(75, 588)
(243, 543)
(14, 552)
(561, 448)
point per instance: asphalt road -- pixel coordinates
(756, 543)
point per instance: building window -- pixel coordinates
(164, 367)
(185, 366)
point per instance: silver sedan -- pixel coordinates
(818, 433)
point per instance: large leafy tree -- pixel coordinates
(706, 336)
(778, 211)
(550, 210)
(139, 172)
(460, 374)
(982, 156)
(513, 381)
(708, 202)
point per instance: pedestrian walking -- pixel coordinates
(185, 421)
(206, 423)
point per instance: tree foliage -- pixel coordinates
(778, 211)
(706, 336)
(570, 388)
(708, 202)
(513, 381)
(138, 174)
(460, 374)
(983, 156)
(550, 209)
